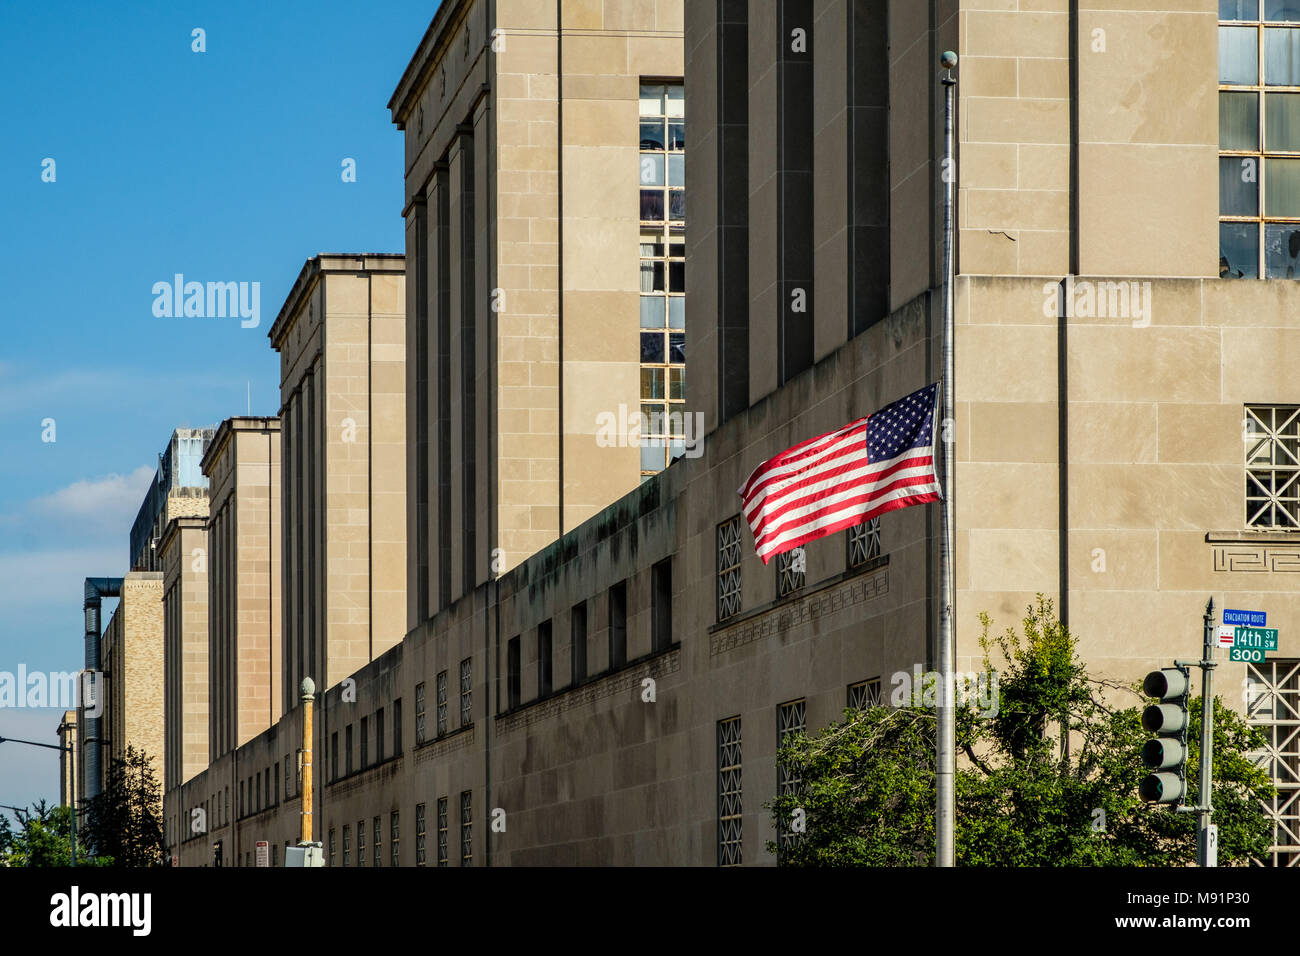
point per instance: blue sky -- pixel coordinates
(222, 165)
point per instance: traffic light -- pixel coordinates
(1166, 754)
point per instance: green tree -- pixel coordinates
(1049, 779)
(42, 839)
(124, 822)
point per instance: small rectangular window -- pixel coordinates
(397, 727)
(419, 834)
(729, 556)
(466, 692)
(419, 714)
(334, 753)
(442, 831)
(347, 849)
(365, 742)
(466, 828)
(442, 703)
(377, 856)
(730, 821)
(379, 735)
(347, 735)
(361, 843)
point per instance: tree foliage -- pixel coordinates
(42, 838)
(124, 822)
(1049, 779)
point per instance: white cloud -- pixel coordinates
(111, 501)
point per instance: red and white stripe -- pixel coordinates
(826, 484)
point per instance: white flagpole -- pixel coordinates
(945, 809)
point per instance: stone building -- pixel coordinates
(597, 669)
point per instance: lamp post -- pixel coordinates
(72, 762)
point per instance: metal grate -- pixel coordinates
(466, 828)
(442, 831)
(791, 569)
(419, 713)
(419, 834)
(864, 543)
(466, 686)
(864, 694)
(1272, 697)
(442, 703)
(1272, 437)
(790, 720)
(730, 824)
(729, 555)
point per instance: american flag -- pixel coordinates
(875, 464)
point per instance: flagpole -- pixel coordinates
(945, 810)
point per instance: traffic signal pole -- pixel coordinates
(1207, 851)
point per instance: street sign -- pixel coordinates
(1263, 638)
(1250, 655)
(1244, 618)
(1227, 635)
(263, 853)
(1209, 845)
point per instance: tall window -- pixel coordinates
(578, 653)
(618, 625)
(442, 703)
(347, 744)
(661, 624)
(347, 844)
(864, 542)
(466, 692)
(334, 755)
(1259, 139)
(361, 843)
(365, 742)
(513, 673)
(442, 831)
(466, 828)
(419, 834)
(729, 553)
(379, 735)
(661, 174)
(393, 837)
(790, 722)
(378, 856)
(397, 727)
(791, 569)
(419, 714)
(730, 832)
(331, 856)
(545, 681)
(1272, 439)
(1272, 695)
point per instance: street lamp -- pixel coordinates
(72, 764)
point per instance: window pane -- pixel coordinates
(677, 347)
(1282, 192)
(652, 102)
(676, 276)
(652, 308)
(652, 348)
(676, 101)
(677, 204)
(676, 135)
(676, 170)
(658, 284)
(1281, 251)
(1238, 250)
(1286, 10)
(676, 312)
(1239, 120)
(1238, 56)
(652, 243)
(1238, 186)
(652, 169)
(652, 383)
(654, 419)
(677, 383)
(652, 133)
(1282, 121)
(1238, 9)
(652, 457)
(1281, 56)
(652, 205)
(648, 278)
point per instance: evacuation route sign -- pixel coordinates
(1244, 618)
